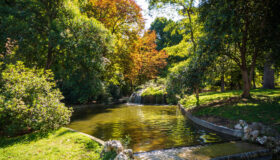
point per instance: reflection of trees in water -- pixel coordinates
(150, 127)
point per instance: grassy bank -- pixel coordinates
(60, 144)
(263, 107)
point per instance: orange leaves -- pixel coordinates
(135, 56)
(146, 60)
(116, 15)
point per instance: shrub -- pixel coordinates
(29, 101)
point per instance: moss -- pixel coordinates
(154, 91)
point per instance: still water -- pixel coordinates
(148, 127)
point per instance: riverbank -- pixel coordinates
(59, 144)
(227, 108)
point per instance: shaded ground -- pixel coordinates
(227, 108)
(60, 144)
(201, 152)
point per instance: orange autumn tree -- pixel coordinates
(145, 59)
(116, 15)
(124, 19)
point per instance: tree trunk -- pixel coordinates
(254, 80)
(268, 76)
(222, 82)
(191, 30)
(246, 83)
(49, 57)
(197, 96)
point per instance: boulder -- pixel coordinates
(113, 145)
(246, 137)
(257, 126)
(247, 129)
(129, 153)
(254, 134)
(121, 156)
(242, 123)
(238, 126)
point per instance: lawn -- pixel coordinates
(60, 144)
(263, 107)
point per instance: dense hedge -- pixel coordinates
(29, 101)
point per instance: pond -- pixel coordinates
(148, 127)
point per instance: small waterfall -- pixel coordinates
(136, 97)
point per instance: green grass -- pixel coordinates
(60, 144)
(263, 107)
(210, 97)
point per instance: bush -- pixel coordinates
(29, 101)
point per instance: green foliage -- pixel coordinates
(154, 88)
(168, 32)
(55, 145)
(56, 35)
(155, 91)
(29, 101)
(126, 141)
(86, 41)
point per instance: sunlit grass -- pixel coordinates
(210, 97)
(60, 144)
(263, 107)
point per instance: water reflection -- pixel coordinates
(150, 127)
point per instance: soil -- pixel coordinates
(219, 121)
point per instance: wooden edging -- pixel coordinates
(208, 125)
(91, 137)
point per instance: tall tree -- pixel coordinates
(240, 26)
(124, 19)
(145, 60)
(189, 11)
(58, 36)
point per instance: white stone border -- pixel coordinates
(214, 127)
(91, 137)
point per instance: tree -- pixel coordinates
(123, 18)
(188, 10)
(117, 15)
(168, 32)
(272, 34)
(79, 72)
(57, 36)
(240, 26)
(145, 60)
(23, 21)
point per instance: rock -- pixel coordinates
(242, 123)
(246, 137)
(129, 153)
(272, 139)
(262, 140)
(121, 156)
(113, 146)
(277, 150)
(257, 126)
(254, 134)
(238, 126)
(247, 129)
